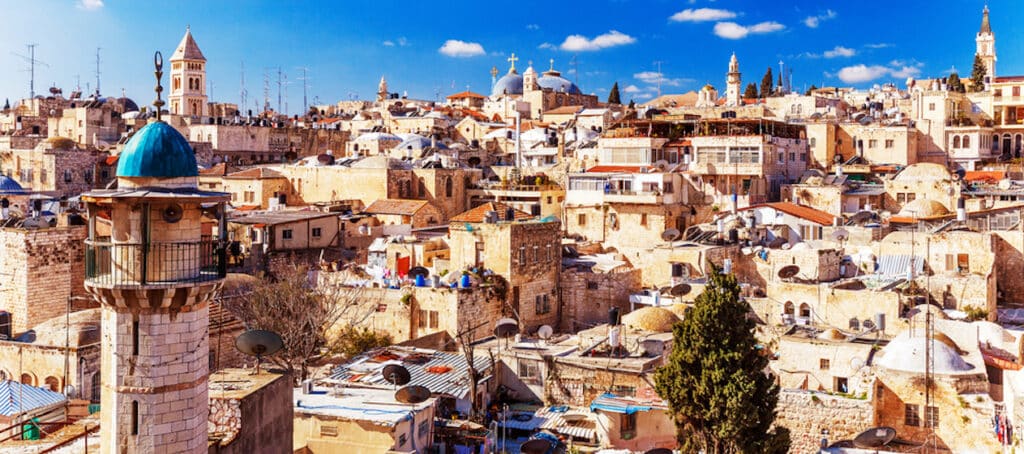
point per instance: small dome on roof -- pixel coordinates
(907, 354)
(656, 319)
(509, 84)
(923, 208)
(157, 150)
(917, 314)
(924, 171)
(679, 309)
(557, 83)
(85, 329)
(418, 143)
(8, 185)
(378, 136)
(992, 333)
(128, 104)
(832, 334)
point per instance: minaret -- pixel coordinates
(985, 43)
(154, 276)
(188, 79)
(382, 90)
(529, 78)
(732, 83)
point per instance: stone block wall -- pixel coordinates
(587, 297)
(258, 421)
(806, 414)
(39, 270)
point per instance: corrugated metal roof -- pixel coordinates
(18, 398)
(895, 266)
(441, 372)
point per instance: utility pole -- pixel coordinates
(658, 64)
(31, 60)
(97, 71)
(305, 89)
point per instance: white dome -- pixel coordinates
(907, 354)
(378, 136)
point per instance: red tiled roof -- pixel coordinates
(255, 173)
(800, 211)
(564, 110)
(987, 176)
(218, 169)
(477, 215)
(611, 169)
(248, 208)
(111, 160)
(404, 207)
(466, 94)
(1010, 79)
(476, 115)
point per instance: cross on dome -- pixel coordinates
(513, 59)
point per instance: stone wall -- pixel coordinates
(806, 414)
(40, 269)
(250, 420)
(587, 297)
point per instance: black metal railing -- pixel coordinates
(109, 264)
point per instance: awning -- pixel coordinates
(610, 402)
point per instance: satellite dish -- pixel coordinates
(396, 374)
(856, 363)
(412, 394)
(670, 235)
(418, 271)
(840, 235)
(875, 437)
(506, 327)
(680, 289)
(658, 451)
(862, 217)
(545, 332)
(661, 165)
(172, 213)
(258, 343)
(535, 446)
(788, 271)
(1004, 184)
(69, 390)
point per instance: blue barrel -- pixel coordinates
(465, 281)
(420, 282)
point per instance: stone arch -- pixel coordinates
(52, 383)
(966, 143)
(94, 387)
(788, 308)
(28, 379)
(805, 310)
(956, 141)
(448, 187)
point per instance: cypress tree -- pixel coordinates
(810, 90)
(953, 83)
(751, 91)
(978, 74)
(714, 380)
(613, 96)
(766, 84)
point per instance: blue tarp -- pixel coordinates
(611, 402)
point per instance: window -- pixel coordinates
(789, 309)
(872, 143)
(592, 285)
(889, 143)
(627, 426)
(581, 219)
(667, 187)
(931, 416)
(522, 255)
(422, 319)
(967, 142)
(823, 364)
(328, 431)
(529, 372)
(841, 385)
(910, 415)
(677, 270)
(549, 200)
(317, 231)
(803, 157)
(963, 263)
(135, 417)
(811, 141)
(956, 141)
(286, 234)
(547, 253)
(1016, 91)
(448, 188)
(402, 439)
(424, 428)
(67, 176)
(792, 156)
(536, 254)
(805, 310)
(433, 319)
(931, 107)
(543, 304)
(135, 338)
(643, 219)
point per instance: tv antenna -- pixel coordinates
(97, 71)
(266, 90)
(658, 64)
(242, 92)
(32, 62)
(305, 89)
(279, 89)
(259, 343)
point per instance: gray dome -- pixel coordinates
(509, 84)
(557, 83)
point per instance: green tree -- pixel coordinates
(714, 380)
(751, 91)
(810, 90)
(613, 96)
(978, 71)
(766, 84)
(632, 104)
(953, 83)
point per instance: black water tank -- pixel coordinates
(510, 214)
(613, 316)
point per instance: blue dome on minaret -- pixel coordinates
(157, 150)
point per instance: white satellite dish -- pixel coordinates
(545, 332)
(840, 235)
(856, 363)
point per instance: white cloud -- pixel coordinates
(814, 21)
(547, 46)
(90, 5)
(732, 30)
(862, 73)
(532, 27)
(631, 89)
(580, 43)
(906, 71)
(388, 43)
(652, 78)
(840, 51)
(702, 15)
(458, 48)
(644, 95)
(878, 45)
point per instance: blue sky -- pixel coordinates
(428, 48)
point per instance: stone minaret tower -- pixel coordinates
(382, 90)
(188, 79)
(154, 277)
(732, 84)
(985, 43)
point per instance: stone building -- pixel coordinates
(55, 166)
(31, 259)
(417, 214)
(532, 95)
(261, 188)
(188, 79)
(526, 252)
(50, 357)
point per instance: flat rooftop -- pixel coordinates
(239, 383)
(377, 406)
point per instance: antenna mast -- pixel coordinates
(97, 71)
(658, 63)
(31, 60)
(241, 92)
(305, 89)
(279, 89)
(266, 90)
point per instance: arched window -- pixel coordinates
(788, 308)
(812, 141)
(53, 384)
(26, 378)
(805, 310)
(956, 141)
(135, 417)
(95, 387)
(995, 142)
(448, 187)
(967, 142)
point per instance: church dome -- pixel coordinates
(8, 186)
(128, 104)
(157, 150)
(557, 83)
(509, 84)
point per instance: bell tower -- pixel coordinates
(985, 47)
(732, 83)
(188, 79)
(154, 276)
